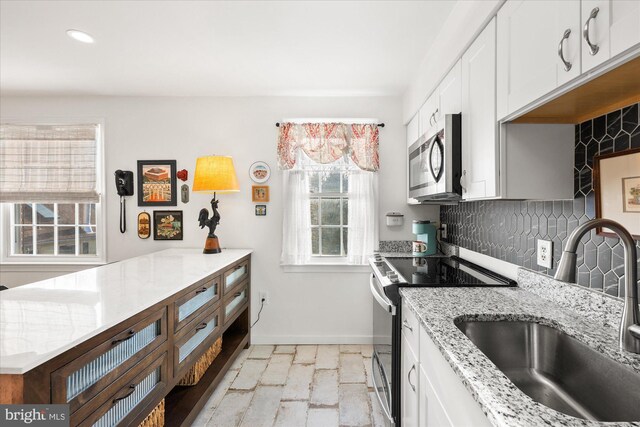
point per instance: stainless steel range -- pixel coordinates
(391, 274)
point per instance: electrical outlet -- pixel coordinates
(264, 296)
(443, 231)
(544, 252)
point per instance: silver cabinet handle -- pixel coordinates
(565, 36)
(593, 48)
(413, 368)
(463, 179)
(431, 119)
(406, 325)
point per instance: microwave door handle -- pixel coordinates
(381, 300)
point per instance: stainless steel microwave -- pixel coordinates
(435, 164)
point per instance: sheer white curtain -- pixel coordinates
(363, 216)
(296, 222)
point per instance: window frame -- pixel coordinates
(7, 210)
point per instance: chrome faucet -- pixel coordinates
(629, 325)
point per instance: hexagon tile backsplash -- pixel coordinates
(508, 229)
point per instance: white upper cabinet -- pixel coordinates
(538, 50)
(609, 27)
(595, 17)
(479, 127)
(624, 31)
(428, 113)
(450, 92)
(413, 130)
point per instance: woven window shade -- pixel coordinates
(48, 164)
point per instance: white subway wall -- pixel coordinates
(310, 307)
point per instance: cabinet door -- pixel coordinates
(598, 34)
(625, 25)
(409, 379)
(479, 128)
(450, 93)
(530, 34)
(428, 113)
(431, 412)
(413, 130)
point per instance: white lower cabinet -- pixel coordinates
(410, 390)
(432, 393)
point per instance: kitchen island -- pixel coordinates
(590, 317)
(114, 341)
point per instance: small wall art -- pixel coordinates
(260, 193)
(260, 172)
(167, 225)
(144, 225)
(157, 183)
(261, 210)
(617, 189)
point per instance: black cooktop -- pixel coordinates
(444, 272)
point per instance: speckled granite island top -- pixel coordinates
(502, 402)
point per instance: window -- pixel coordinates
(49, 180)
(329, 205)
(330, 192)
(53, 229)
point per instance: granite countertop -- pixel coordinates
(44, 319)
(502, 402)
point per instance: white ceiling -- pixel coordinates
(215, 48)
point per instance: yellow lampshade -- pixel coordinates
(215, 174)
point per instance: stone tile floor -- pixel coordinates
(296, 386)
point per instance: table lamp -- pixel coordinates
(214, 174)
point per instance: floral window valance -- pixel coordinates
(327, 142)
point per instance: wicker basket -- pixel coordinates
(198, 369)
(155, 418)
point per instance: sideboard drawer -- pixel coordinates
(235, 275)
(196, 301)
(235, 301)
(194, 339)
(137, 389)
(89, 374)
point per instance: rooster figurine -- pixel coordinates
(211, 246)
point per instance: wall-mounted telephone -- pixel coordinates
(124, 187)
(124, 183)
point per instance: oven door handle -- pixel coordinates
(385, 303)
(375, 361)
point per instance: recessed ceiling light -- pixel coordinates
(80, 36)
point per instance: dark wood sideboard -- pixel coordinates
(146, 355)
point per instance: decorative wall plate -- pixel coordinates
(144, 225)
(260, 172)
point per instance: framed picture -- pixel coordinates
(260, 193)
(261, 210)
(616, 183)
(144, 225)
(157, 183)
(167, 225)
(260, 172)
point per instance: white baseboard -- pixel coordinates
(310, 339)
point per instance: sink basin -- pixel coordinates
(557, 370)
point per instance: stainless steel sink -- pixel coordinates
(557, 370)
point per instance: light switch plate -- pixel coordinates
(544, 251)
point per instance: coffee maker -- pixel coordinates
(425, 243)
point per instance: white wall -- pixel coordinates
(304, 307)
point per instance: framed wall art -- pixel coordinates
(261, 210)
(144, 225)
(260, 193)
(157, 183)
(260, 172)
(167, 225)
(616, 181)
